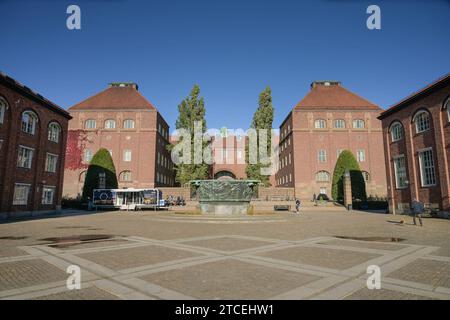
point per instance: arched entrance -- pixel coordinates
(224, 175)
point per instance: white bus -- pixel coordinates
(128, 199)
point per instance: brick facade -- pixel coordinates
(15, 99)
(433, 100)
(320, 126)
(132, 130)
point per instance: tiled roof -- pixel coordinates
(4, 78)
(333, 96)
(435, 84)
(115, 98)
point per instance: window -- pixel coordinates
(427, 172)
(54, 131)
(82, 176)
(422, 121)
(320, 124)
(21, 192)
(338, 152)
(360, 155)
(358, 124)
(339, 124)
(128, 124)
(50, 162)
(102, 180)
(125, 176)
(322, 176)
(400, 172)
(29, 122)
(90, 124)
(1, 144)
(87, 155)
(366, 176)
(110, 124)
(48, 194)
(2, 109)
(396, 131)
(127, 155)
(447, 106)
(322, 155)
(25, 157)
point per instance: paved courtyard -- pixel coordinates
(147, 255)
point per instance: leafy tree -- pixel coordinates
(347, 161)
(262, 119)
(101, 163)
(191, 110)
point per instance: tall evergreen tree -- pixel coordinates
(192, 110)
(347, 161)
(262, 119)
(101, 170)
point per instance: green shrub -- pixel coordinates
(347, 161)
(101, 163)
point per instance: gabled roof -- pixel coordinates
(442, 81)
(118, 96)
(331, 95)
(24, 90)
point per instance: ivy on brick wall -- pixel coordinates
(74, 153)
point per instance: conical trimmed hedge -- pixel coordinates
(101, 162)
(348, 161)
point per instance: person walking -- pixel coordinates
(417, 208)
(297, 206)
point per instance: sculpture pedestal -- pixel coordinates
(224, 208)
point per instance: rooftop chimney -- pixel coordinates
(124, 85)
(325, 83)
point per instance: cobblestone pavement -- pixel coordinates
(317, 255)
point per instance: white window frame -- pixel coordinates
(24, 202)
(47, 163)
(320, 124)
(127, 155)
(29, 126)
(366, 176)
(357, 124)
(128, 124)
(396, 131)
(31, 157)
(110, 124)
(361, 155)
(90, 124)
(340, 121)
(338, 152)
(419, 122)
(400, 173)
(423, 168)
(54, 131)
(3, 106)
(45, 189)
(322, 176)
(322, 155)
(86, 156)
(447, 106)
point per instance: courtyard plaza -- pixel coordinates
(320, 254)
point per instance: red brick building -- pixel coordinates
(33, 133)
(416, 135)
(121, 120)
(328, 120)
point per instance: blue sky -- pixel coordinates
(233, 49)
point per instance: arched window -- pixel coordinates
(320, 124)
(3, 106)
(366, 176)
(110, 124)
(29, 122)
(82, 176)
(422, 121)
(339, 124)
(54, 131)
(87, 155)
(322, 176)
(396, 131)
(128, 124)
(447, 106)
(90, 124)
(358, 124)
(125, 176)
